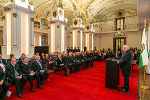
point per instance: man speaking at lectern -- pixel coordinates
(125, 66)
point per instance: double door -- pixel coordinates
(118, 43)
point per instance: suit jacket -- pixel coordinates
(2, 74)
(30, 63)
(68, 50)
(26, 69)
(124, 61)
(65, 60)
(78, 50)
(37, 67)
(10, 70)
(59, 61)
(70, 59)
(8, 61)
(3, 61)
(20, 62)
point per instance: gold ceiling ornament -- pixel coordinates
(120, 12)
(12, 1)
(60, 12)
(14, 14)
(7, 9)
(80, 21)
(75, 22)
(29, 7)
(3, 17)
(23, 0)
(1, 13)
(54, 13)
(87, 27)
(65, 28)
(32, 19)
(31, 2)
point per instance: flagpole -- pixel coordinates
(143, 85)
(144, 66)
(144, 75)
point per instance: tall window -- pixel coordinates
(43, 42)
(42, 24)
(119, 24)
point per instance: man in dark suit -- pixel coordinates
(71, 50)
(21, 59)
(78, 50)
(83, 60)
(32, 60)
(68, 50)
(29, 73)
(9, 60)
(125, 66)
(14, 73)
(2, 61)
(4, 85)
(75, 63)
(39, 68)
(70, 62)
(61, 64)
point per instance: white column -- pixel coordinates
(17, 31)
(8, 32)
(81, 41)
(52, 37)
(74, 38)
(24, 33)
(14, 31)
(92, 42)
(32, 32)
(62, 38)
(4, 32)
(87, 41)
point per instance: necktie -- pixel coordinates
(16, 73)
(40, 64)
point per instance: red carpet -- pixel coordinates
(85, 85)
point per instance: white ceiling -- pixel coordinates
(87, 9)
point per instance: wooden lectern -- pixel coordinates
(111, 74)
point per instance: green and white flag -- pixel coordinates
(144, 50)
(148, 40)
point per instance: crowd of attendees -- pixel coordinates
(18, 71)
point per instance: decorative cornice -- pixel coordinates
(58, 21)
(7, 8)
(78, 28)
(11, 6)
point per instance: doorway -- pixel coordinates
(118, 43)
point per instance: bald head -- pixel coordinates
(38, 58)
(125, 48)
